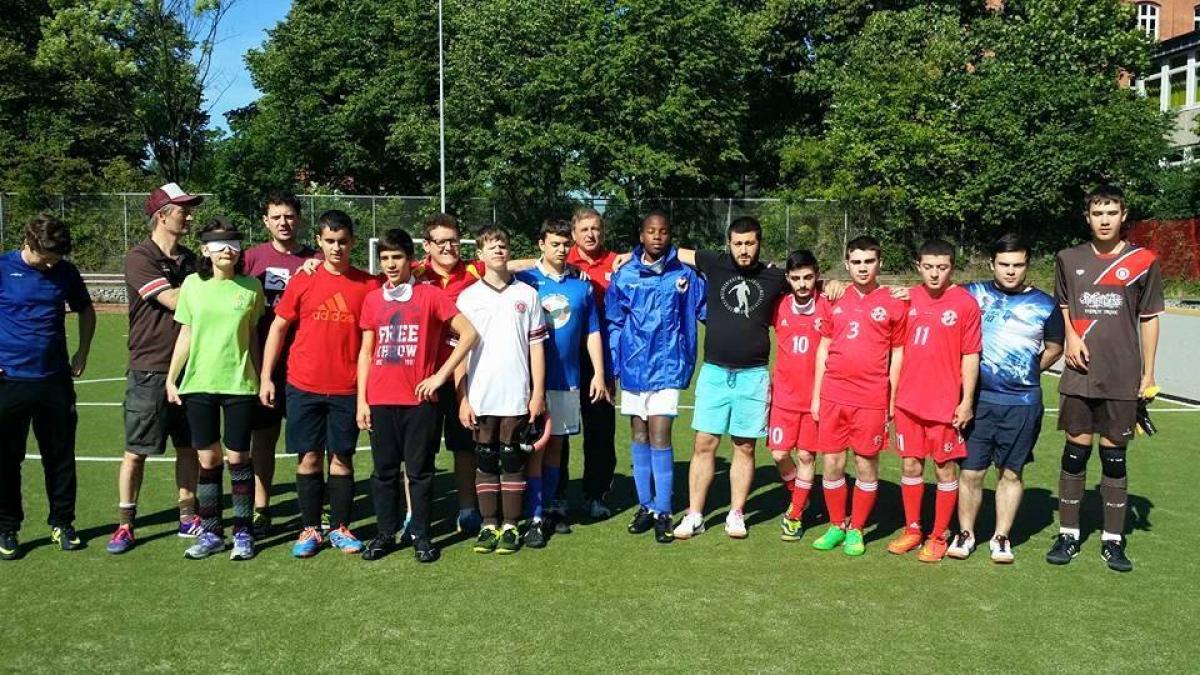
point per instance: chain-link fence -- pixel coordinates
(104, 226)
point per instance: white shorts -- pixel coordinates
(563, 407)
(664, 403)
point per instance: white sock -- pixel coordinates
(1109, 536)
(1073, 531)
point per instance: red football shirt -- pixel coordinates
(460, 276)
(798, 331)
(599, 272)
(939, 332)
(865, 329)
(325, 308)
(408, 336)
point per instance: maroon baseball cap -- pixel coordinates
(170, 193)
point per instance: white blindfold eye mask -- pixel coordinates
(218, 246)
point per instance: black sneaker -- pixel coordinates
(260, 524)
(559, 517)
(379, 547)
(1113, 553)
(425, 551)
(1065, 548)
(10, 549)
(535, 534)
(662, 529)
(643, 521)
(510, 541)
(66, 538)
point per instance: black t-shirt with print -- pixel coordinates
(741, 305)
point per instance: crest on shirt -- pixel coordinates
(1122, 273)
(879, 314)
(557, 308)
(520, 307)
(1078, 273)
(817, 324)
(949, 317)
(681, 285)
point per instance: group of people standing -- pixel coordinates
(505, 359)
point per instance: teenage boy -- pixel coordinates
(935, 397)
(154, 272)
(1110, 293)
(505, 388)
(733, 388)
(36, 287)
(1022, 337)
(404, 325)
(802, 318)
(572, 320)
(321, 389)
(273, 263)
(652, 309)
(858, 366)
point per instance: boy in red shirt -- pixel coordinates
(802, 318)
(857, 370)
(321, 389)
(404, 325)
(935, 398)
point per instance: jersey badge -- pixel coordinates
(949, 317)
(879, 314)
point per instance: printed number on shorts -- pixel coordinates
(776, 435)
(921, 335)
(853, 330)
(800, 344)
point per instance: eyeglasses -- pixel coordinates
(452, 242)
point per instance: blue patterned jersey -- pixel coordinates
(572, 315)
(1016, 327)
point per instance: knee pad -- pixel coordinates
(488, 457)
(1075, 457)
(512, 458)
(1112, 461)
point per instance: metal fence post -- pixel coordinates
(2, 239)
(62, 207)
(125, 215)
(787, 226)
(374, 228)
(729, 215)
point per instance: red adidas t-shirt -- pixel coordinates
(865, 329)
(798, 332)
(408, 336)
(325, 308)
(939, 332)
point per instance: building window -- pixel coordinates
(1147, 17)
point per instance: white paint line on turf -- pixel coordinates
(102, 379)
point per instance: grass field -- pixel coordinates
(600, 599)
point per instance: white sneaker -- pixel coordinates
(735, 525)
(691, 525)
(1001, 550)
(598, 510)
(962, 546)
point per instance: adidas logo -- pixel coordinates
(334, 309)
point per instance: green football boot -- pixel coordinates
(854, 543)
(831, 539)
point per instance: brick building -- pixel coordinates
(1172, 79)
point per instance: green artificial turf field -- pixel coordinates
(600, 599)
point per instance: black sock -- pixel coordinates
(341, 500)
(208, 496)
(309, 489)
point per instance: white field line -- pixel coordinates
(102, 379)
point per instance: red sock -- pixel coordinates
(800, 490)
(912, 491)
(864, 501)
(835, 500)
(943, 507)
(789, 480)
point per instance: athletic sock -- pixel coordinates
(241, 480)
(534, 504)
(788, 477)
(912, 492)
(126, 512)
(800, 491)
(943, 507)
(864, 501)
(341, 500)
(549, 488)
(187, 508)
(208, 496)
(512, 496)
(643, 475)
(662, 462)
(310, 488)
(1114, 493)
(835, 500)
(1070, 497)
(487, 491)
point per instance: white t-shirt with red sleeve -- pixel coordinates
(410, 326)
(940, 331)
(508, 320)
(798, 332)
(865, 329)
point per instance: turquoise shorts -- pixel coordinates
(734, 401)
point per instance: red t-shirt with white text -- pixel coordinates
(408, 336)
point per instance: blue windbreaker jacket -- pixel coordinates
(651, 317)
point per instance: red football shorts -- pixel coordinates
(791, 429)
(863, 430)
(920, 438)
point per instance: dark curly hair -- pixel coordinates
(46, 234)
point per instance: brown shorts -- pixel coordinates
(505, 430)
(1113, 419)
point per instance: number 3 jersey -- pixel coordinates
(940, 331)
(798, 331)
(865, 329)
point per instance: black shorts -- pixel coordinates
(1111, 418)
(264, 417)
(204, 412)
(505, 430)
(1002, 436)
(149, 419)
(321, 422)
(458, 438)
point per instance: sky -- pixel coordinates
(243, 28)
